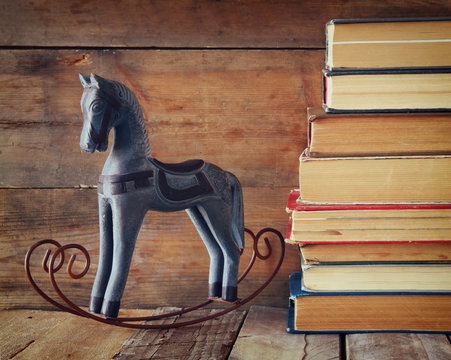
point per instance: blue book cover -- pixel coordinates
(440, 308)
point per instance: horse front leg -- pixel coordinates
(105, 256)
(127, 220)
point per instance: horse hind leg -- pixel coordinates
(237, 210)
(214, 251)
(218, 217)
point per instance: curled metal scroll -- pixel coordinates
(53, 264)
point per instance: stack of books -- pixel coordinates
(372, 217)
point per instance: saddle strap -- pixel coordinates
(118, 183)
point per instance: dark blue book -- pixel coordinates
(352, 312)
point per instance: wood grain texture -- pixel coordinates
(170, 263)
(211, 93)
(243, 110)
(190, 23)
(31, 334)
(211, 339)
(398, 346)
(264, 336)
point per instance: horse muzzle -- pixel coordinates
(89, 145)
(102, 147)
(90, 148)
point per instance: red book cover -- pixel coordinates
(375, 234)
(295, 205)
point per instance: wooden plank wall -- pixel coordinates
(226, 81)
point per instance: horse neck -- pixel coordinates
(139, 139)
(131, 148)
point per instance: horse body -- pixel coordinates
(132, 183)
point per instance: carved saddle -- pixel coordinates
(188, 167)
(174, 182)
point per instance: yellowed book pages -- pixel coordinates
(367, 214)
(372, 219)
(372, 224)
(388, 44)
(387, 91)
(378, 134)
(354, 278)
(370, 236)
(424, 179)
(382, 252)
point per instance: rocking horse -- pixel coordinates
(132, 183)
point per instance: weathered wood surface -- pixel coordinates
(264, 336)
(212, 339)
(170, 264)
(242, 110)
(236, 105)
(398, 346)
(190, 23)
(31, 334)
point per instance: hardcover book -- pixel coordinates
(391, 179)
(377, 277)
(377, 134)
(332, 312)
(388, 43)
(389, 90)
(378, 253)
(367, 223)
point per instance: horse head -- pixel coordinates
(100, 110)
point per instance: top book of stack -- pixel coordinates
(388, 43)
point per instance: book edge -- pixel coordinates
(385, 20)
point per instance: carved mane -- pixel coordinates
(124, 95)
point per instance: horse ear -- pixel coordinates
(95, 80)
(85, 81)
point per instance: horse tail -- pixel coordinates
(237, 210)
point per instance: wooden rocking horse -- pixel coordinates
(132, 182)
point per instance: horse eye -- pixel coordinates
(97, 106)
